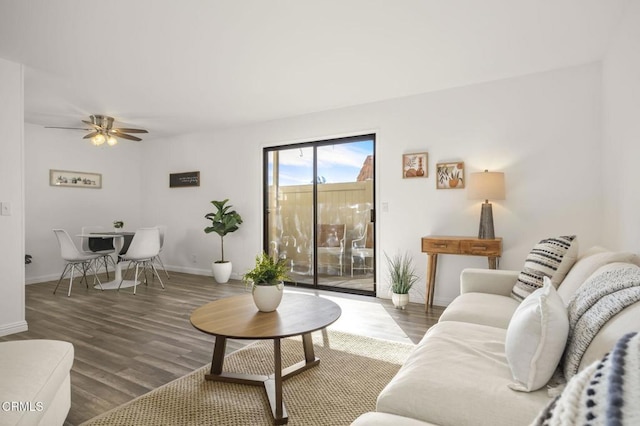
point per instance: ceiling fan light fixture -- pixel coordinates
(101, 130)
(98, 139)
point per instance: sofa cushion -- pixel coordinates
(536, 338)
(33, 371)
(386, 419)
(586, 266)
(481, 308)
(551, 257)
(459, 375)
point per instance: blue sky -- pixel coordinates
(336, 163)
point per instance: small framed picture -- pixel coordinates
(75, 179)
(450, 175)
(414, 165)
(178, 180)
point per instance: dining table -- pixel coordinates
(118, 244)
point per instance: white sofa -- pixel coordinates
(35, 387)
(459, 373)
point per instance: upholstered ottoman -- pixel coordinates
(35, 387)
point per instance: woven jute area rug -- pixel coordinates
(352, 372)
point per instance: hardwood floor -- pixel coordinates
(127, 345)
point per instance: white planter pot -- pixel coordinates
(267, 297)
(400, 300)
(221, 271)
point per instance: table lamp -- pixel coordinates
(486, 186)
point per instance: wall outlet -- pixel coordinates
(194, 258)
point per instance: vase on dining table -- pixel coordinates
(118, 226)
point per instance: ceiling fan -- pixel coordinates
(101, 130)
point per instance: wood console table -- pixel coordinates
(434, 245)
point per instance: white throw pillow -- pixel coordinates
(551, 257)
(536, 337)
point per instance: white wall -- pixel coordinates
(49, 207)
(621, 94)
(12, 319)
(542, 130)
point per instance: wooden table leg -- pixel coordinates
(307, 345)
(279, 415)
(493, 262)
(432, 263)
(433, 279)
(273, 383)
(218, 355)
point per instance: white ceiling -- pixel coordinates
(196, 65)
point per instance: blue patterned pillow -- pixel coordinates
(604, 393)
(551, 257)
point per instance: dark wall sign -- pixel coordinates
(177, 180)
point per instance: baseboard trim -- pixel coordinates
(41, 279)
(12, 328)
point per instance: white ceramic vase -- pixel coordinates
(267, 297)
(221, 271)
(399, 300)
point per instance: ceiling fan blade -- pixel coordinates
(125, 136)
(123, 130)
(90, 135)
(95, 126)
(70, 128)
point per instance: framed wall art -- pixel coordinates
(450, 175)
(179, 180)
(414, 165)
(75, 179)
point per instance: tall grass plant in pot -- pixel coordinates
(224, 221)
(401, 277)
(267, 282)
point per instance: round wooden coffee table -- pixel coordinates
(238, 318)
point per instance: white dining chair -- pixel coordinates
(76, 261)
(331, 243)
(105, 255)
(362, 249)
(144, 247)
(162, 229)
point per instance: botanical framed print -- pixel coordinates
(75, 179)
(414, 165)
(450, 175)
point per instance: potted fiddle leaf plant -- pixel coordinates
(267, 282)
(224, 220)
(401, 278)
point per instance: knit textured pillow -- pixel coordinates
(551, 257)
(604, 393)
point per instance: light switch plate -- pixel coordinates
(5, 208)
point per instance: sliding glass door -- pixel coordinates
(319, 212)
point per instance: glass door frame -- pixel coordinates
(373, 218)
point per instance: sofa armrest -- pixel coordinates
(491, 281)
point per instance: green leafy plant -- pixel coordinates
(118, 224)
(223, 221)
(401, 273)
(267, 271)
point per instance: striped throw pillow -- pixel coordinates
(551, 257)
